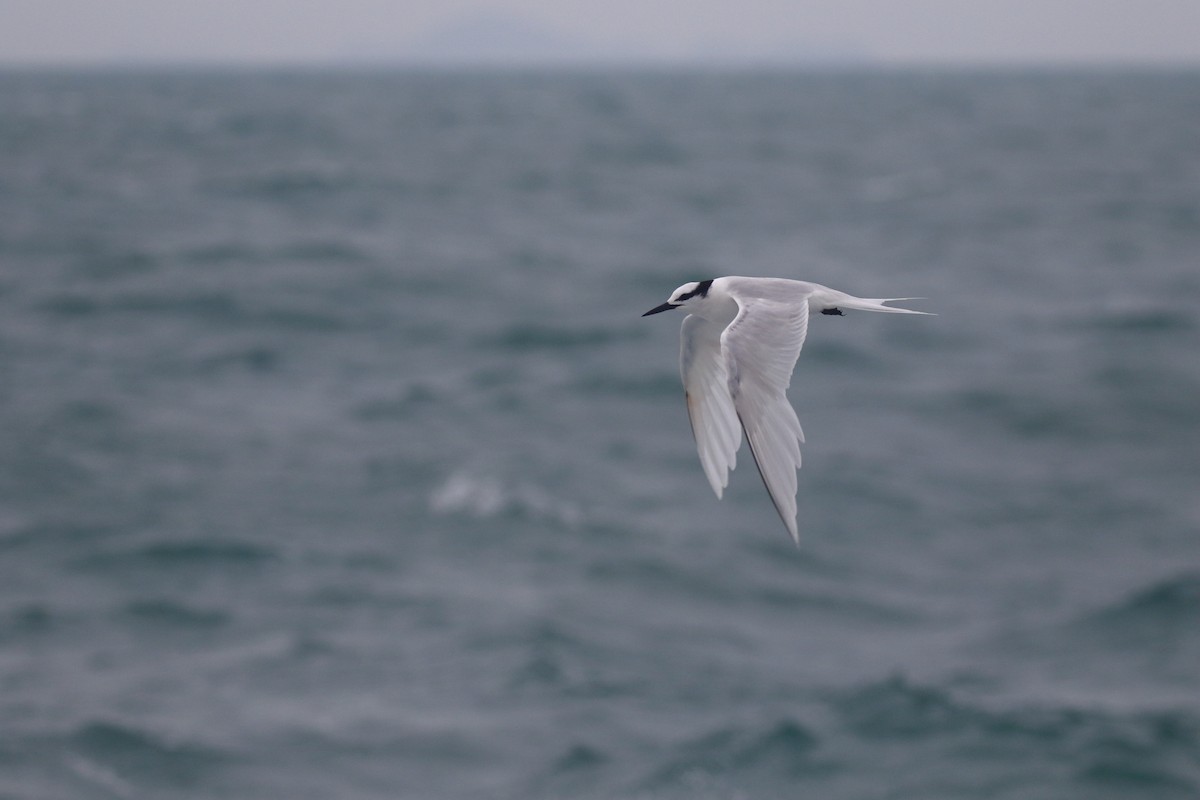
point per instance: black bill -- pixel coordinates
(659, 309)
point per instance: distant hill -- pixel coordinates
(496, 38)
(514, 40)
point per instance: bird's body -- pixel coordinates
(739, 344)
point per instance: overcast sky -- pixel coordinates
(880, 31)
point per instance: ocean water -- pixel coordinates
(337, 462)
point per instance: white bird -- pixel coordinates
(739, 345)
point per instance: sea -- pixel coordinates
(337, 460)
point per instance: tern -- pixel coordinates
(739, 345)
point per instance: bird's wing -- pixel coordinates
(760, 349)
(710, 406)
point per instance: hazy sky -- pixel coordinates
(886, 31)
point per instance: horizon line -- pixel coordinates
(601, 63)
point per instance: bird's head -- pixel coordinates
(688, 294)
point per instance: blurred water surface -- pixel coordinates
(338, 462)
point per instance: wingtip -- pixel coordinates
(789, 522)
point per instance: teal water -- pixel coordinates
(338, 462)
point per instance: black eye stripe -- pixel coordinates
(701, 289)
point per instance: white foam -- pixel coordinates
(485, 497)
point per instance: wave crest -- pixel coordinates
(487, 497)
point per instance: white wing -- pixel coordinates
(710, 407)
(761, 346)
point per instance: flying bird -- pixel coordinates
(739, 345)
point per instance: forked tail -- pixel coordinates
(876, 304)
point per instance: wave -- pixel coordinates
(1160, 615)
(785, 746)
(579, 757)
(202, 553)
(50, 534)
(220, 306)
(235, 253)
(138, 754)
(530, 336)
(1028, 416)
(259, 359)
(1175, 598)
(29, 619)
(1131, 317)
(397, 405)
(1152, 748)
(224, 308)
(205, 551)
(896, 708)
(657, 384)
(116, 758)
(487, 497)
(739, 760)
(168, 614)
(291, 184)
